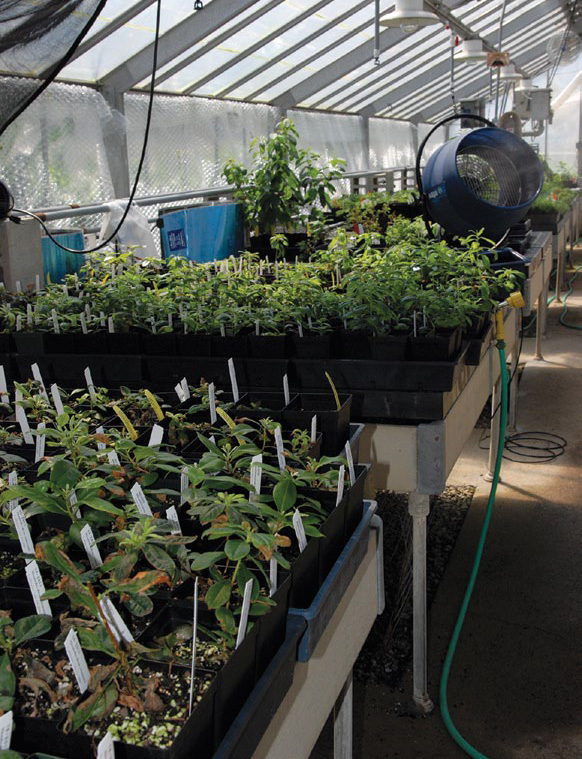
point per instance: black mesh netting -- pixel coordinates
(36, 40)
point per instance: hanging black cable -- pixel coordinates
(139, 168)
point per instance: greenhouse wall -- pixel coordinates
(392, 143)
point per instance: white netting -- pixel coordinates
(391, 143)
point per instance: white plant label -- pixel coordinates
(21, 526)
(91, 547)
(18, 286)
(102, 318)
(212, 439)
(87, 310)
(12, 482)
(77, 659)
(286, 392)
(4, 397)
(314, 428)
(350, 460)
(113, 617)
(184, 483)
(280, 448)
(38, 377)
(37, 588)
(19, 323)
(73, 502)
(194, 645)
(299, 530)
(300, 330)
(256, 472)
(273, 572)
(40, 442)
(172, 516)
(6, 722)
(244, 614)
(29, 314)
(140, 500)
(90, 383)
(110, 325)
(340, 484)
(257, 327)
(233, 380)
(22, 420)
(57, 400)
(83, 321)
(55, 318)
(180, 393)
(156, 436)
(37, 282)
(106, 747)
(185, 388)
(212, 402)
(113, 458)
(100, 446)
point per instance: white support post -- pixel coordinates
(541, 322)
(418, 508)
(343, 732)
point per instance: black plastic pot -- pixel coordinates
(311, 345)
(354, 344)
(163, 344)
(265, 373)
(305, 575)
(270, 405)
(230, 346)
(331, 545)
(388, 347)
(30, 343)
(6, 345)
(271, 633)
(193, 344)
(443, 346)
(124, 342)
(267, 346)
(332, 423)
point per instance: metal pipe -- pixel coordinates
(499, 40)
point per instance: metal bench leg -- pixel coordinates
(343, 726)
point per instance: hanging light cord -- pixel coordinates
(139, 168)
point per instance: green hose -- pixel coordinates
(455, 734)
(565, 307)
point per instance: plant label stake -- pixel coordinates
(233, 381)
(300, 330)
(77, 659)
(140, 500)
(286, 392)
(113, 458)
(212, 403)
(194, 643)
(19, 323)
(6, 721)
(244, 614)
(4, 397)
(73, 502)
(38, 377)
(280, 448)
(172, 516)
(12, 481)
(118, 626)
(21, 419)
(340, 484)
(157, 435)
(100, 446)
(90, 384)
(57, 400)
(180, 392)
(110, 325)
(37, 282)
(90, 547)
(299, 530)
(185, 388)
(37, 588)
(257, 327)
(40, 442)
(106, 747)
(83, 321)
(222, 331)
(102, 318)
(18, 286)
(414, 323)
(273, 579)
(257, 472)
(23, 532)
(29, 314)
(184, 483)
(88, 310)
(314, 428)
(56, 325)
(350, 459)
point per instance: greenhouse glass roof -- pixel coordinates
(316, 54)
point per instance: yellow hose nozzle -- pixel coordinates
(515, 300)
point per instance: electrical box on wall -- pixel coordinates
(533, 104)
(475, 107)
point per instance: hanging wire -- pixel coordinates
(377, 33)
(453, 45)
(499, 41)
(139, 168)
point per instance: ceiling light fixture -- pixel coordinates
(509, 74)
(471, 52)
(410, 16)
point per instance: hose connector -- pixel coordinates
(515, 300)
(499, 325)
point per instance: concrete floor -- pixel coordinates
(515, 690)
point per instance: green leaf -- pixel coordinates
(63, 473)
(8, 753)
(226, 620)
(57, 559)
(285, 494)
(158, 558)
(96, 640)
(7, 678)
(205, 560)
(218, 594)
(139, 606)
(236, 549)
(99, 504)
(98, 705)
(51, 594)
(30, 627)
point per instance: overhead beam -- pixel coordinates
(442, 68)
(261, 42)
(289, 51)
(174, 42)
(339, 68)
(468, 89)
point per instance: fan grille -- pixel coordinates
(490, 175)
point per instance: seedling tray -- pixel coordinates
(318, 615)
(259, 709)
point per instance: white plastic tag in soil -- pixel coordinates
(36, 40)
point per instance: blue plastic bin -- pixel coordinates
(56, 263)
(203, 233)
